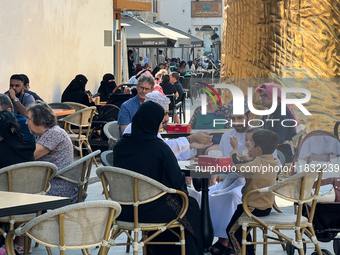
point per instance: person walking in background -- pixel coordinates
(131, 68)
(161, 58)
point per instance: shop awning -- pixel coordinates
(195, 42)
(142, 33)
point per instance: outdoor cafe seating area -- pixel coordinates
(90, 225)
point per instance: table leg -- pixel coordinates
(207, 227)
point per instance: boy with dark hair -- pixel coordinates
(259, 172)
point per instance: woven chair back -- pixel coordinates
(128, 187)
(76, 106)
(29, 177)
(81, 225)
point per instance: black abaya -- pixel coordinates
(75, 91)
(144, 153)
(106, 86)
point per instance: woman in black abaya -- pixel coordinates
(143, 152)
(75, 92)
(107, 85)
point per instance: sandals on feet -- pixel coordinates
(219, 249)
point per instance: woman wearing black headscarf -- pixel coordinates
(13, 149)
(107, 85)
(75, 92)
(143, 152)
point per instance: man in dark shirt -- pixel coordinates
(27, 88)
(174, 79)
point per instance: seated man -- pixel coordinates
(27, 88)
(182, 145)
(6, 104)
(129, 108)
(20, 99)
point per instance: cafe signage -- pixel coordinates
(208, 9)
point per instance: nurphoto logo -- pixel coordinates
(238, 104)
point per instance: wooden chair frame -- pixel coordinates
(76, 106)
(50, 172)
(114, 211)
(81, 119)
(112, 140)
(251, 222)
(86, 166)
(104, 158)
(60, 106)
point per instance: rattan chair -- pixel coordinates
(60, 106)
(107, 158)
(134, 189)
(182, 108)
(79, 172)
(111, 130)
(81, 119)
(296, 188)
(76, 106)
(296, 139)
(29, 177)
(175, 106)
(77, 226)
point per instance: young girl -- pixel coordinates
(245, 154)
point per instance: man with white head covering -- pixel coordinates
(182, 145)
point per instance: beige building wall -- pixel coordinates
(155, 10)
(51, 41)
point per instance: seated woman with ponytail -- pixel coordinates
(13, 149)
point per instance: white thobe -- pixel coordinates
(180, 146)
